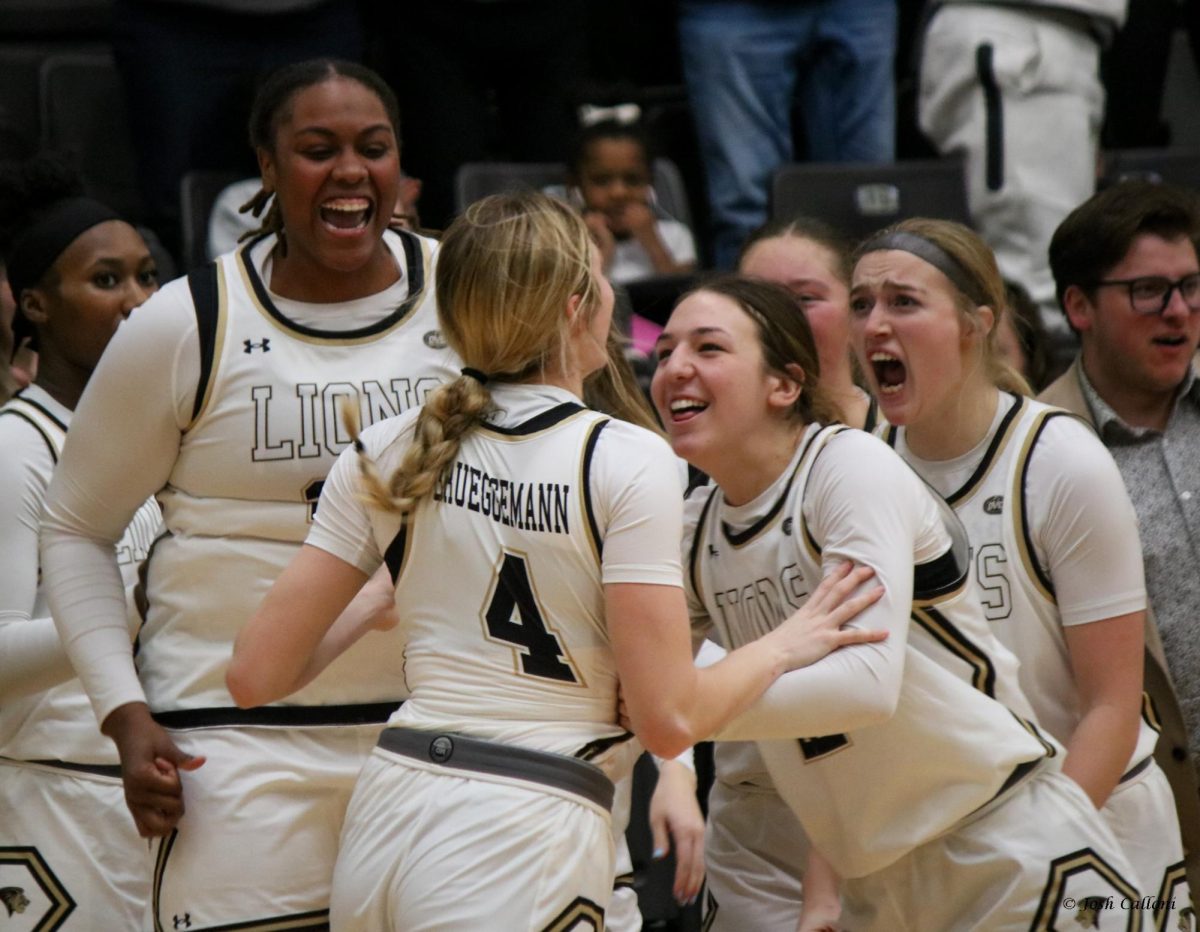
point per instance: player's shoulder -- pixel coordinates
(388, 438)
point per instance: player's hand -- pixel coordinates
(675, 816)
(150, 765)
(816, 629)
(820, 918)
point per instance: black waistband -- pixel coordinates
(281, 716)
(99, 770)
(1136, 769)
(506, 760)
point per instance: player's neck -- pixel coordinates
(949, 433)
(60, 379)
(747, 468)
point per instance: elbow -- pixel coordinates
(879, 708)
(665, 737)
(244, 687)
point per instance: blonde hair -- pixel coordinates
(977, 263)
(506, 270)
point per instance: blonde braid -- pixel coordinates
(449, 414)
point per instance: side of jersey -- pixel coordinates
(265, 432)
(58, 723)
(949, 748)
(1013, 579)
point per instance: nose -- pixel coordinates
(1176, 307)
(134, 294)
(349, 167)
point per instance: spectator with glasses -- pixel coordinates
(1128, 278)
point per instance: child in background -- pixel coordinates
(610, 168)
(609, 171)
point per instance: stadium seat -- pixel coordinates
(197, 193)
(1178, 166)
(861, 198)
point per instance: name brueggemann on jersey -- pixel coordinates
(527, 506)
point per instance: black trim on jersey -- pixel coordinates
(1136, 769)
(1043, 578)
(316, 920)
(1150, 713)
(872, 420)
(206, 299)
(394, 555)
(623, 881)
(594, 749)
(41, 407)
(364, 713)
(160, 868)
(414, 270)
(36, 426)
(891, 435)
(942, 630)
(99, 770)
(695, 551)
(581, 911)
(808, 534)
(737, 538)
(538, 422)
(589, 448)
(986, 463)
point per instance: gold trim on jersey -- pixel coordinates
(1054, 895)
(1174, 877)
(1051, 750)
(62, 904)
(218, 345)
(991, 455)
(494, 433)
(1018, 510)
(581, 914)
(1150, 714)
(942, 630)
(594, 536)
(410, 302)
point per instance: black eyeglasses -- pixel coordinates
(1152, 294)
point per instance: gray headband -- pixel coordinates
(930, 252)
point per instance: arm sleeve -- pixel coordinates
(864, 505)
(637, 496)
(32, 657)
(121, 449)
(1087, 536)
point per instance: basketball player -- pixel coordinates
(534, 548)
(69, 854)
(221, 399)
(901, 767)
(1057, 560)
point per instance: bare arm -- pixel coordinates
(1106, 659)
(318, 607)
(822, 901)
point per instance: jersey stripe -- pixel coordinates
(585, 483)
(1020, 510)
(36, 426)
(941, 629)
(990, 456)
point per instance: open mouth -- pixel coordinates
(890, 372)
(684, 409)
(347, 213)
(1172, 340)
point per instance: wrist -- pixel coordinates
(124, 717)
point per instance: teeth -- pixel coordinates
(880, 356)
(348, 204)
(687, 404)
(890, 389)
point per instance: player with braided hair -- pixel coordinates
(560, 528)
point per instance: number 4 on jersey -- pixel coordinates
(514, 617)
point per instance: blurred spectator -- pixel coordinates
(1128, 277)
(1015, 86)
(746, 60)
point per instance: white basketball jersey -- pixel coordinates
(1013, 579)
(510, 643)
(265, 432)
(868, 797)
(58, 723)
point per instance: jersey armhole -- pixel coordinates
(206, 297)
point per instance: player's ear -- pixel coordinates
(787, 386)
(33, 306)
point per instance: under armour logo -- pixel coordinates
(712, 551)
(264, 344)
(787, 526)
(182, 922)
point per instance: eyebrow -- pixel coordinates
(895, 285)
(326, 131)
(696, 331)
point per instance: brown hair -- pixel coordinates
(784, 335)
